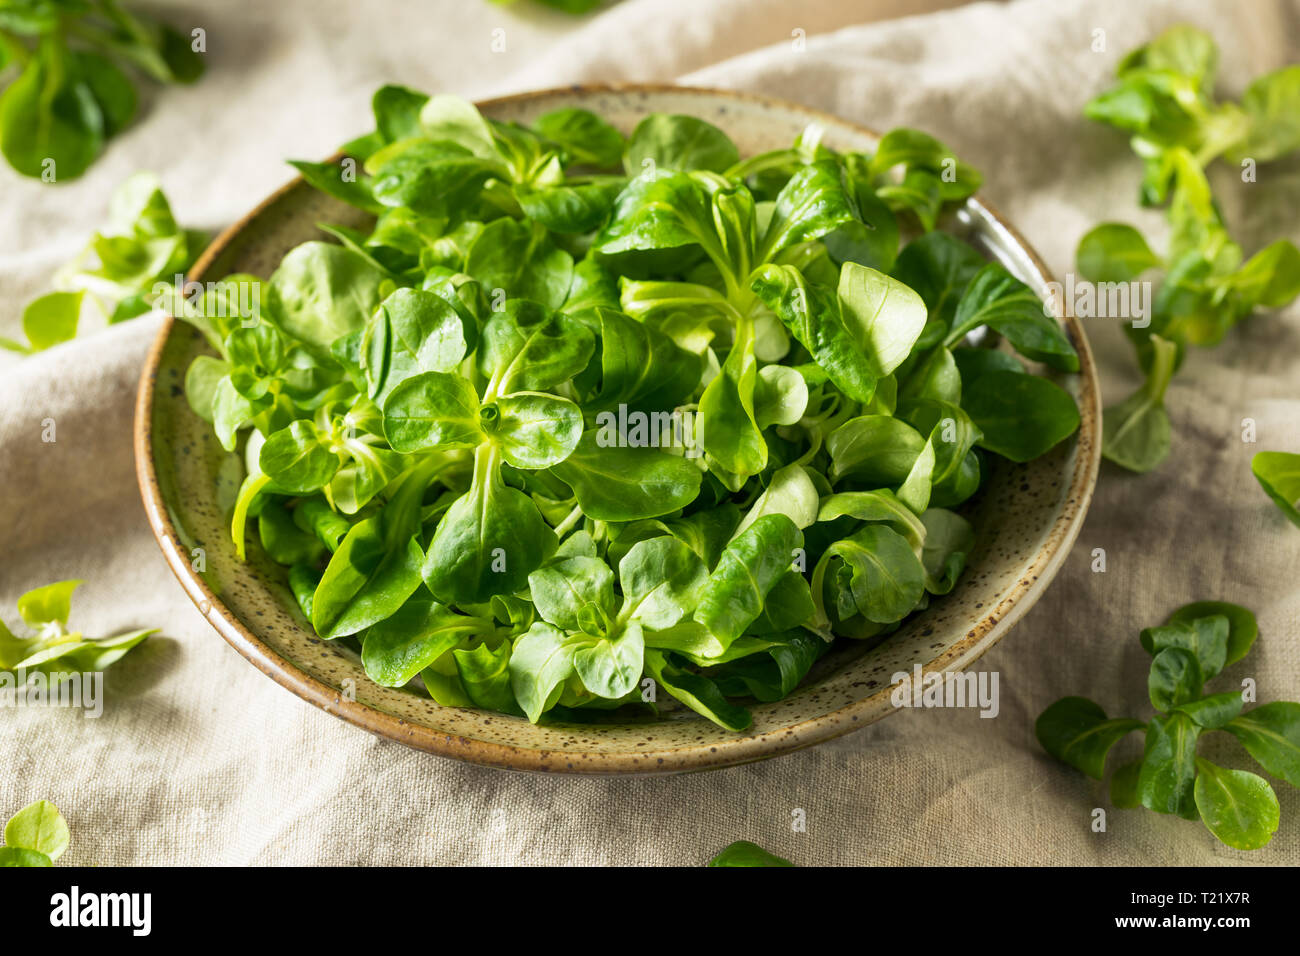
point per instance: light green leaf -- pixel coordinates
(540, 663)
(433, 410)
(47, 605)
(1278, 473)
(662, 580)
(1238, 807)
(534, 430)
(38, 826)
(52, 319)
(882, 313)
(1114, 252)
(611, 667)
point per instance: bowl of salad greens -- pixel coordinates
(616, 430)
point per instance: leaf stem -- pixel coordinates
(571, 519)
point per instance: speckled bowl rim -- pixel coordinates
(714, 754)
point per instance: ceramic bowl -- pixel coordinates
(1026, 517)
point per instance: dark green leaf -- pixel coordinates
(1271, 734)
(814, 318)
(435, 178)
(625, 484)
(914, 149)
(1175, 678)
(586, 137)
(1078, 732)
(1242, 627)
(418, 633)
(572, 207)
(696, 692)
(1005, 304)
(489, 540)
(1021, 416)
(376, 567)
(1124, 786)
(939, 267)
(678, 142)
(641, 367)
(1215, 711)
(1206, 638)
(521, 260)
(773, 674)
(815, 202)
(1169, 763)
(109, 86)
(339, 181)
(50, 122)
(526, 346)
(364, 583)
(877, 449)
(397, 112)
(728, 428)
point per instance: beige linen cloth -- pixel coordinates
(199, 759)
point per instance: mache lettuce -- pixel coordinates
(586, 420)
